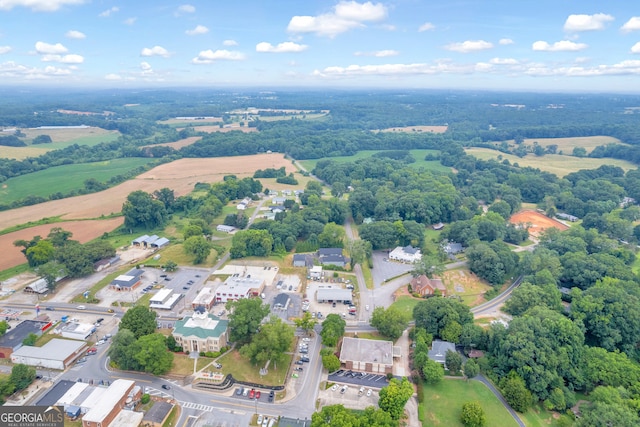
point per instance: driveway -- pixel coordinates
(384, 270)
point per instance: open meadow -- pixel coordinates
(176, 145)
(443, 403)
(566, 145)
(419, 155)
(181, 176)
(66, 178)
(557, 164)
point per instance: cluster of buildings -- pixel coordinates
(324, 256)
(150, 242)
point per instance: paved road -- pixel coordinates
(493, 305)
(488, 383)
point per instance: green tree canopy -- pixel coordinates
(432, 371)
(271, 342)
(395, 396)
(198, 247)
(22, 375)
(245, 316)
(472, 415)
(152, 354)
(142, 210)
(434, 314)
(390, 322)
(140, 320)
(333, 329)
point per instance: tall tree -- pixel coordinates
(122, 350)
(140, 320)
(198, 247)
(472, 415)
(395, 396)
(22, 375)
(332, 236)
(333, 329)
(271, 342)
(306, 322)
(142, 210)
(152, 354)
(434, 314)
(390, 322)
(245, 316)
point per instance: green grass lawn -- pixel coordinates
(89, 140)
(537, 416)
(443, 403)
(419, 155)
(406, 303)
(242, 369)
(65, 178)
(183, 364)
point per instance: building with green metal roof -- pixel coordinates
(201, 332)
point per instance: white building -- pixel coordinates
(56, 354)
(205, 298)
(237, 287)
(315, 272)
(408, 254)
(164, 299)
(77, 331)
(112, 402)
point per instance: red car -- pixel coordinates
(252, 393)
(91, 351)
(257, 394)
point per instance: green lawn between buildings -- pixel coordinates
(443, 403)
(243, 370)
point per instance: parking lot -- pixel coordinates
(352, 397)
(243, 393)
(327, 308)
(375, 381)
(385, 270)
(287, 284)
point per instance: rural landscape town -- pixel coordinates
(390, 252)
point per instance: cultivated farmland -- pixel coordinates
(536, 221)
(556, 164)
(566, 145)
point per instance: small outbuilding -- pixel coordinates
(157, 414)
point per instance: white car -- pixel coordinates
(335, 387)
(259, 422)
(369, 392)
(100, 342)
(366, 307)
(81, 307)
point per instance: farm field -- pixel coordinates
(217, 128)
(176, 145)
(556, 164)
(537, 222)
(443, 403)
(83, 231)
(419, 155)
(65, 178)
(566, 145)
(181, 176)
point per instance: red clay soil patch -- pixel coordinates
(83, 231)
(177, 144)
(536, 221)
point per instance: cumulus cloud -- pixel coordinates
(107, 13)
(39, 5)
(130, 21)
(199, 29)
(379, 53)
(5, 49)
(209, 56)
(230, 42)
(52, 49)
(427, 26)
(74, 34)
(12, 69)
(146, 68)
(469, 46)
(345, 16)
(587, 22)
(155, 51)
(64, 59)
(186, 8)
(113, 76)
(285, 47)
(632, 24)
(628, 67)
(561, 46)
(503, 61)
(634, 49)
(505, 42)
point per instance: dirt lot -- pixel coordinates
(181, 176)
(83, 231)
(536, 221)
(177, 144)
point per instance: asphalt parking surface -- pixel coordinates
(385, 270)
(264, 395)
(368, 380)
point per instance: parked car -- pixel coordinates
(100, 320)
(252, 393)
(334, 387)
(272, 395)
(343, 390)
(81, 307)
(299, 362)
(265, 422)
(305, 359)
(239, 391)
(259, 421)
(369, 392)
(184, 287)
(245, 392)
(258, 394)
(92, 351)
(299, 368)
(366, 307)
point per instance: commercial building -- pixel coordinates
(165, 299)
(373, 356)
(157, 415)
(128, 281)
(12, 339)
(201, 332)
(237, 287)
(77, 331)
(330, 293)
(407, 254)
(56, 354)
(112, 402)
(206, 298)
(281, 302)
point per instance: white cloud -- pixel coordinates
(379, 53)
(13, 70)
(145, 66)
(38, 5)
(587, 22)
(130, 21)
(561, 46)
(285, 47)
(5, 49)
(199, 29)
(65, 59)
(632, 24)
(635, 48)
(53, 49)
(427, 26)
(346, 15)
(155, 51)
(504, 61)
(209, 56)
(113, 76)
(506, 41)
(628, 67)
(74, 34)
(230, 43)
(469, 46)
(388, 27)
(186, 8)
(107, 13)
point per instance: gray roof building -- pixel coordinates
(439, 349)
(55, 393)
(329, 251)
(128, 280)
(158, 413)
(281, 302)
(12, 339)
(331, 294)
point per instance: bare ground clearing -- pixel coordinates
(210, 129)
(536, 221)
(432, 129)
(83, 231)
(176, 145)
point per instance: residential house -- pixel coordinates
(427, 287)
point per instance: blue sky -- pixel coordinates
(542, 45)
